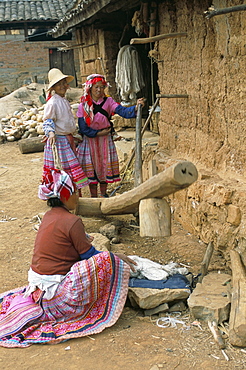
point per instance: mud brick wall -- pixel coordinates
(24, 62)
(208, 128)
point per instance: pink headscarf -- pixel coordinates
(86, 99)
(56, 184)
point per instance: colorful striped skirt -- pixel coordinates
(68, 159)
(89, 299)
(99, 160)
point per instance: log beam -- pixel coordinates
(31, 145)
(176, 177)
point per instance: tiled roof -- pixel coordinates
(34, 10)
(83, 10)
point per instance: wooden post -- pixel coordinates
(138, 145)
(154, 217)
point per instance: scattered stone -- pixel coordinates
(178, 307)
(27, 102)
(111, 231)
(100, 242)
(153, 311)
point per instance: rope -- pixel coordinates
(165, 322)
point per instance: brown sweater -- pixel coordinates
(59, 242)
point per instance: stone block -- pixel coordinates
(147, 298)
(210, 300)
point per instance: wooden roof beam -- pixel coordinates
(146, 40)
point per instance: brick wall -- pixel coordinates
(24, 62)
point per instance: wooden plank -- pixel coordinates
(237, 321)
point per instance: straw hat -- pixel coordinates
(55, 75)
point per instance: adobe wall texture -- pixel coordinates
(24, 62)
(208, 128)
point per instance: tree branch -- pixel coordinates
(212, 11)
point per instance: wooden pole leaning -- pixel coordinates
(142, 132)
(138, 148)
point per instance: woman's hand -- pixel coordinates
(140, 101)
(89, 238)
(52, 138)
(104, 132)
(128, 260)
(44, 139)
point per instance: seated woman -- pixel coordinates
(74, 290)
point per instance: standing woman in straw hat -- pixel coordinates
(59, 126)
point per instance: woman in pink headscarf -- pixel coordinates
(97, 153)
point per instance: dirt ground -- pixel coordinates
(135, 341)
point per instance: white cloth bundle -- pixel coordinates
(147, 269)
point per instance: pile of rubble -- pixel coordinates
(22, 124)
(21, 112)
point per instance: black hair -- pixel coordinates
(54, 202)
